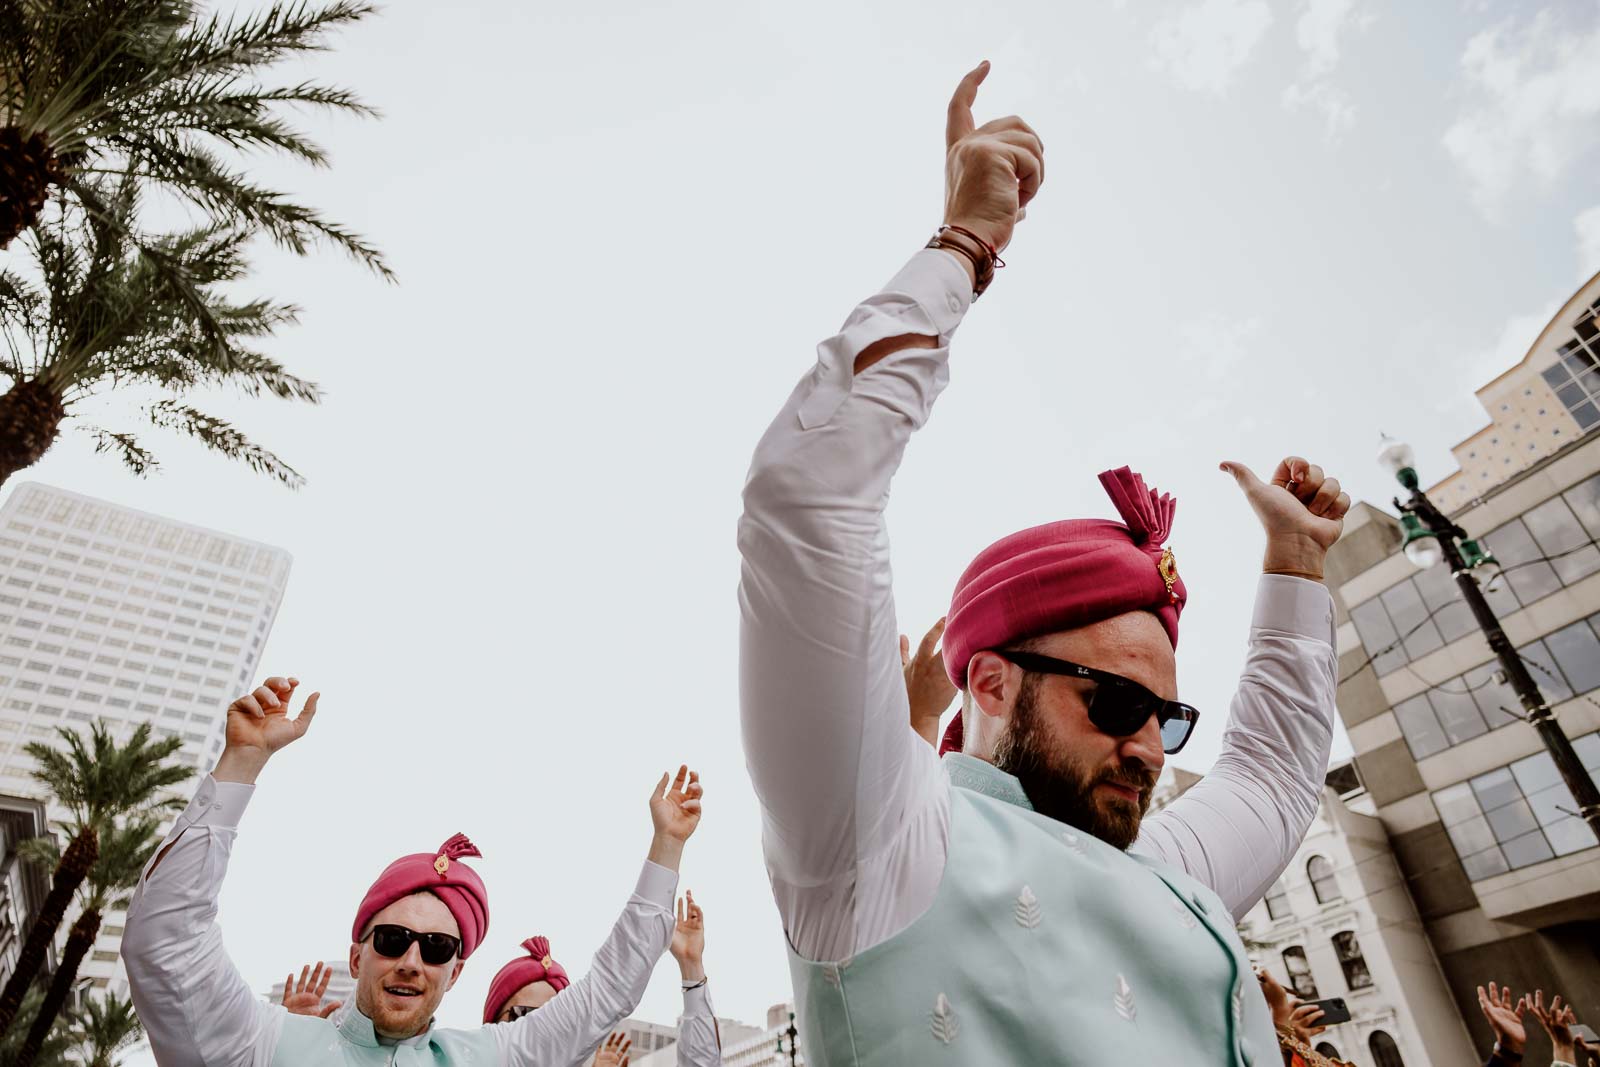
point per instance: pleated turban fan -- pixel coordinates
(444, 875)
(1064, 575)
(536, 966)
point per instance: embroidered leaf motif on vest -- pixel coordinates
(1027, 910)
(1185, 916)
(944, 1022)
(830, 974)
(1123, 1000)
(1073, 843)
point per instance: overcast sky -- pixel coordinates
(620, 229)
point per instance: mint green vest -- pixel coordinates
(347, 1040)
(1043, 945)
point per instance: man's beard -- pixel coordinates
(1059, 787)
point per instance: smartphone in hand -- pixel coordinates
(1334, 1011)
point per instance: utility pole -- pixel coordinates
(1430, 537)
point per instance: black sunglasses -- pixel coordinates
(513, 1014)
(392, 941)
(1118, 706)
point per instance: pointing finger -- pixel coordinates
(958, 123)
(930, 641)
(302, 722)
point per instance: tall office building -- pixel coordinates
(111, 613)
(1505, 876)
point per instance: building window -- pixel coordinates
(1517, 815)
(1345, 946)
(1300, 980)
(1385, 1053)
(1323, 884)
(1278, 902)
(1575, 378)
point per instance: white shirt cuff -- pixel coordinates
(657, 884)
(697, 1001)
(219, 804)
(940, 286)
(1295, 606)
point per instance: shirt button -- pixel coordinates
(1200, 902)
(955, 302)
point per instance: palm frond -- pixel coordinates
(122, 445)
(218, 435)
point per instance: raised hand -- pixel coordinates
(259, 725)
(614, 1053)
(305, 996)
(927, 683)
(675, 813)
(689, 939)
(1505, 1018)
(991, 171)
(1302, 511)
(1558, 1020)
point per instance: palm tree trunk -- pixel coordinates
(28, 168)
(30, 420)
(79, 942)
(74, 867)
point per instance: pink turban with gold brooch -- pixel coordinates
(1064, 575)
(442, 874)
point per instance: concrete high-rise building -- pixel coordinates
(1537, 407)
(1340, 923)
(1505, 876)
(111, 613)
(22, 886)
(742, 1045)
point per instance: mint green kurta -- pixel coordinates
(1043, 945)
(348, 1038)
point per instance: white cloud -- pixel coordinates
(1588, 226)
(1203, 45)
(1320, 28)
(1338, 110)
(1534, 102)
(1319, 32)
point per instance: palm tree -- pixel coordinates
(101, 1029)
(54, 1052)
(145, 87)
(104, 308)
(126, 845)
(108, 790)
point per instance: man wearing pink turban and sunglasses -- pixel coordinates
(1008, 905)
(412, 933)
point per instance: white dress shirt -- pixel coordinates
(699, 1042)
(197, 1009)
(856, 818)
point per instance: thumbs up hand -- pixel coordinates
(1302, 511)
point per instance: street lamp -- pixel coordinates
(1431, 538)
(792, 1034)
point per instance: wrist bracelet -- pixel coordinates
(687, 986)
(1506, 1054)
(984, 258)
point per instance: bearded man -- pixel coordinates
(1009, 905)
(413, 932)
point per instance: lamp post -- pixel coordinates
(792, 1034)
(1431, 538)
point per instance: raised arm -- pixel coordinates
(840, 776)
(1238, 828)
(699, 1043)
(196, 1008)
(571, 1026)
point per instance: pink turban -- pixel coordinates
(1063, 575)
(536, 966)
(439, 873)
